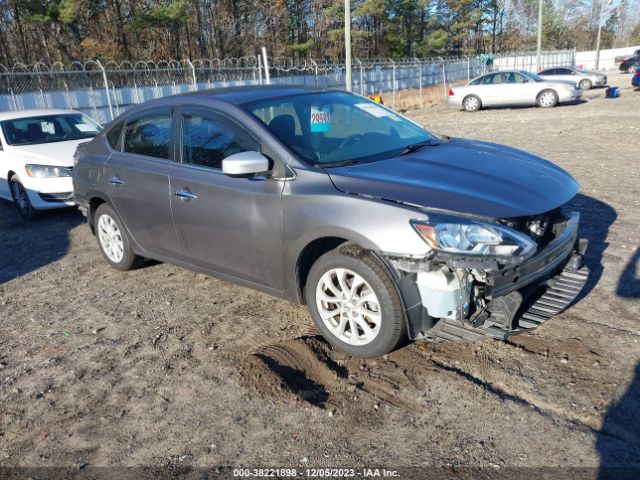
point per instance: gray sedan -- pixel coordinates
(583, 78)
(512, 87)
(386, 231)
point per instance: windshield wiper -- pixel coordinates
(417, 146)
(341, 163)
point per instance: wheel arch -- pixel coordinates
(308, 256)
(94, 202)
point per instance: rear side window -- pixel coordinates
(208, 140)
(113, 136)
(149, 135)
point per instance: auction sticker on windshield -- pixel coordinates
(320, 119)
(375, 110)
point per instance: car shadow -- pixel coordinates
(524, 107)
(618, 441)
(27, 245)
(596, 217)
(629, 281)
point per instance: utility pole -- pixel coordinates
(539, 34)
(347, 44)
(602, 4)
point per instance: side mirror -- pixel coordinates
(245, 164)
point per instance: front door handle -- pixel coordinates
(117, 181)
(185, 195)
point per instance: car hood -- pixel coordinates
(55, 153)
(464, 176)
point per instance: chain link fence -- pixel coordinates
(103, 91)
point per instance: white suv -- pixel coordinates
(36, 157)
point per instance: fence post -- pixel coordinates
(115, 98)
(106, 87)
(315, 69)
(393, 83)
(468, 68)
(13, 97)
(444, 77)
(419, 77)
(361, 76)
(259, 68)
(193, 74)
(267, 77)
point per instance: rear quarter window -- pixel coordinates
(113, 136)
(149, 136)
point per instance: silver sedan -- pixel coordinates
(512, 87)
(583, 78)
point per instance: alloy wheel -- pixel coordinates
(110, 238)
(348, 306)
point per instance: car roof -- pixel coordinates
(32, 113)
(247, 94)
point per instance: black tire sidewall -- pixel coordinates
(392, 328)
(129, 259)
(30, 213)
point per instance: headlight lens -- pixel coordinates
(475, 239)
(47, 171)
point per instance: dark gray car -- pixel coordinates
(386, 231)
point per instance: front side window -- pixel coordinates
(333, 127)
(206, 141)
(149, 135)
(49, 129)
(491, 79)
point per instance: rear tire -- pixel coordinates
(547, 99)
(472, 103)
(585, 84)
(114, 241)
(369, 318)
(21, 199)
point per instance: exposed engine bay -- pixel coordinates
(462, 297)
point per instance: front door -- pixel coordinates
(138, 181)
(230, 225)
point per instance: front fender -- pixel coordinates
(312, 208)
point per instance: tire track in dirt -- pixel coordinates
(308, 369)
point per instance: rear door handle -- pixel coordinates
(116, 181)
(185, 195)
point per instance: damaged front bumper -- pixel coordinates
(451, 298)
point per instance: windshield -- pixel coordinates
(49, 129)
(532, 76)
(335, 127)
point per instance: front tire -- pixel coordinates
(21, 199)
(472, 103)
(585, 84)
(547, 99)
(355, 303)
(113, 240)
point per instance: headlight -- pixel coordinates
(476, 239)
(47, 171)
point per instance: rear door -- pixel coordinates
(138, 180)
(488, 89)
(230, 225)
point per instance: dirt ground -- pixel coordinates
(168, 368)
